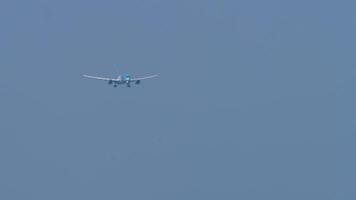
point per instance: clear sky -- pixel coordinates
(255, 100)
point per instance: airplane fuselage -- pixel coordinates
(126, 79)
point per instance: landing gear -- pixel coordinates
(115, 85)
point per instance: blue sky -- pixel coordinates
(254, 100)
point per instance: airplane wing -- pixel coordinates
(98, 78)
(143, 78)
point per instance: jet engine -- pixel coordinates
(138, 82)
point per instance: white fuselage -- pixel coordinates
(121, 80)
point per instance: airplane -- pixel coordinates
(124, 79)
